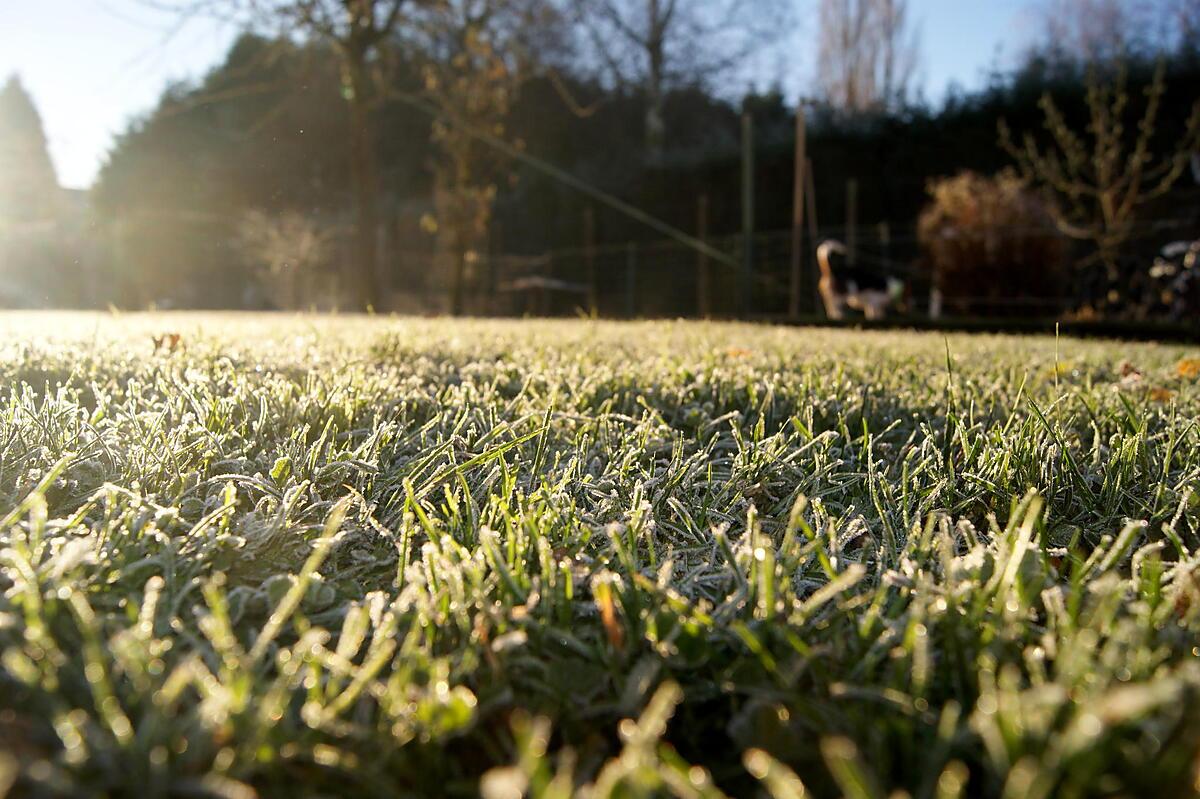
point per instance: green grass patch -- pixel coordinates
(365, 556)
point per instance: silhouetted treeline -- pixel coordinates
(265, 130)
(41, 237)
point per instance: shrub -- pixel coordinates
(990, 246)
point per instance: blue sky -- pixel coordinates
(962, 39)
(92, 65)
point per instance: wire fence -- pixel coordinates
(136, 264)
(669, 279)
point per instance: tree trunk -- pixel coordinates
(656, 126)
(365, 178)
(458, 281)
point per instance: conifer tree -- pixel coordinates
(28, 186)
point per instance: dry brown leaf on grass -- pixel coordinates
(1188, 368)
(167, 341)
(1131, 376)
(602, 591)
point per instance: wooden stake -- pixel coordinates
(495, 246)
(885, 241)
(797, 283)
(747, 276)
(703, 301)
(589, 258)
(852, 221)
(811, 199)
(810, 205)
(631, 281)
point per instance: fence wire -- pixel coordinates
(667, 279)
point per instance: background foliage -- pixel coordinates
(211, 151)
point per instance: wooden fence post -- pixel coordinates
(747, 276)
(810, 205)
(885, 241)
(703, 300)
(589, 258)
(631, 281)
(797, 281)
(544, 294)
(852, 221)
(811, 201)
(495, 242)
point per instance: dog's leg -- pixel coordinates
(832, 300)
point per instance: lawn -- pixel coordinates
(308, 556)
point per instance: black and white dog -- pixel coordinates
(857, 289)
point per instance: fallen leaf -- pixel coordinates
(1128, 370)
(1189, 368)
(608, 615)
(167, 341)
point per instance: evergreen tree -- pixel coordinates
(28, 186)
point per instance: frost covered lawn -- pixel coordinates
(312, 556)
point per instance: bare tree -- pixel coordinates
(847, 55)
(655, 45)
(356, 30)
(1089, 31)
(1099, 31)
(899, 51)
(1096, 187)
(1183, 24)
(868, 54)
(475, 55)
